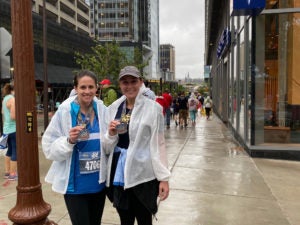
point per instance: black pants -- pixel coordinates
(207, 111)
(136, 210)
(85, 209)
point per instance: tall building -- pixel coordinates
(62, 41)
(132, 23)
(74, 14)
(167, 62)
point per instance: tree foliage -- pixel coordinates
(106, 60)
(204, 88)
(138, 60)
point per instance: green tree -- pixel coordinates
(138, 60)
(106, 60)
(203, 88)
(180, 89)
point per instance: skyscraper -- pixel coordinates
(71, 14)
(132, 23)
(167, 61)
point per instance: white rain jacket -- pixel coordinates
(148, 92)
(146, 153)
(56, 147)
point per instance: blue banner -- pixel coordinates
(248, 7)
(224, 42)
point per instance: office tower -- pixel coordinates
(167, 61)
(132, 23)
(71, 14)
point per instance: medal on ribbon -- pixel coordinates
(124, 120)
(84, 133)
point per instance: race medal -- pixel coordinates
(122, 128)
(83, 135)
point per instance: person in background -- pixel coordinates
(198, 96)
(108, 92)
(9, 128)
(193, 107)
(201, 99)
(137, 167)
(168, 98)
(175, 106)
(160, 100)
(183, 109)
(72, 141)
(208, 104)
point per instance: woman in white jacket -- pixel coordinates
(137, 166)
(72, 141)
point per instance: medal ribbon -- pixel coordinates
(86, 121)
(125, 117)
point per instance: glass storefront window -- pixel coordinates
(277, 82)
(234, 90)
(249, 88)
(277, 4)
(241, 94)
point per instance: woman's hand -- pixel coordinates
(163, 190)
(73, 134)
(112, 127)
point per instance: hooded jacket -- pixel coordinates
(146, 154)
(147, 92)
(59, 150)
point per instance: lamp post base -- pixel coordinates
(46, 222)
(30, 208)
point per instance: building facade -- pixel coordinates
(62, 42)
(167, 61)
(74, 14)
(132, 23)
(253, 54)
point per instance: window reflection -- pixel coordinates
(279, 79)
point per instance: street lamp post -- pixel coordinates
(45, 68)
(30, 207)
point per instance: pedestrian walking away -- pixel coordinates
(175, 106)
(183, 110)
(193, 107)
(160, 100)
(168, 98)
(208, 105)
(9, 129)
(72, 141)
(137, 167)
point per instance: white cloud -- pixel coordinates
(182, 25)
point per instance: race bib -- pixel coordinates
(89, 162)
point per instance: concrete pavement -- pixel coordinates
(214, 182)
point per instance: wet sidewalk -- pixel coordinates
(214, 182)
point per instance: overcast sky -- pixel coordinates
(182, 25)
